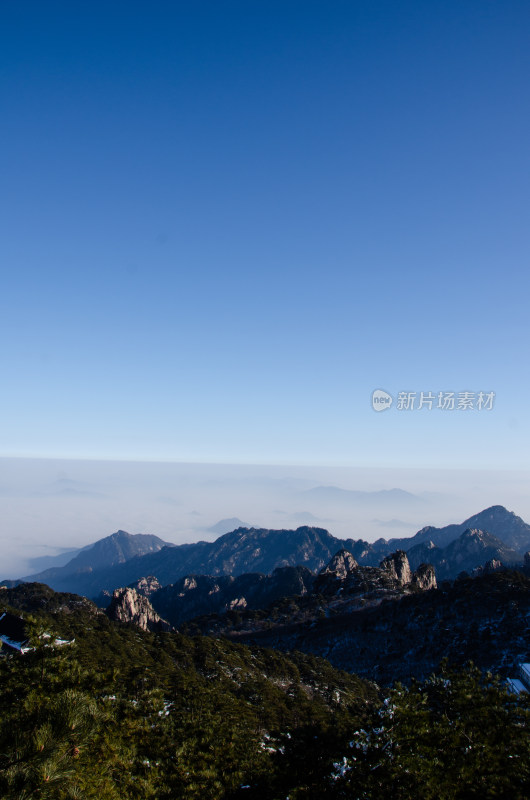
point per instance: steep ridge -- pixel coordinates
(341, 586)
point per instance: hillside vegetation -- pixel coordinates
(121, 714)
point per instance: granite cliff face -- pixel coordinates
(129, 606)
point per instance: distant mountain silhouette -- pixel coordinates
(121, 559)
(227, 525)
(115, 549)
(471, 550)
(234, 553)
(497, 520)
(40, 563)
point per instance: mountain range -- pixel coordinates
(496, 520)
(121, 559)
(242, 550)
(307, 590)
(106, 553)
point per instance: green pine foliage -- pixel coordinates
(455, 736)
(125, 715)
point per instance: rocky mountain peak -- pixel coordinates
(340, 565)
(127, 605)
(473, 538)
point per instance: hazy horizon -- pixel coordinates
(47, 505)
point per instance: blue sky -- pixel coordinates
(224, 224)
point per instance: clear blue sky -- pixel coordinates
(224, 224)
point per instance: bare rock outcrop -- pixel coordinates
(424, 577)
(146, 586)
(397, 564)
(344, 576)
(493, 565)
(236, 603)
(129, 606)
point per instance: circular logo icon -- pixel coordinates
(381, 400)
